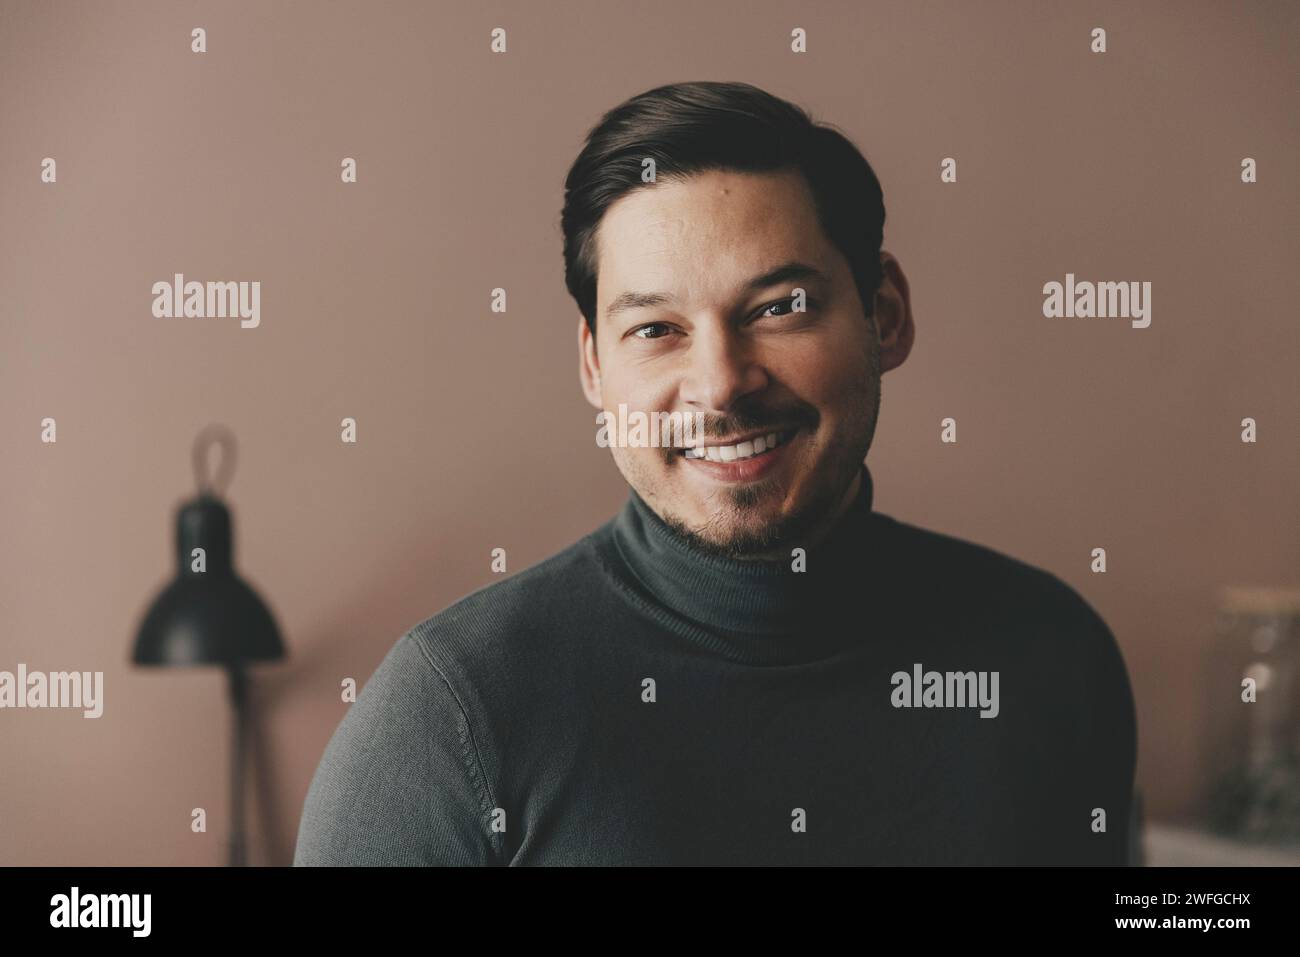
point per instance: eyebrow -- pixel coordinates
(786, 272)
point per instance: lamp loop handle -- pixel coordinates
(209, 436)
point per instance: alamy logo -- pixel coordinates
(212, 300)
(636, 429)
(102, 910)
(946, 689)
(1102, 300)
(58, 689)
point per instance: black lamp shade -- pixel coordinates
(210, 617)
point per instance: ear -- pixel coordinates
(893, 312)
(588, 364)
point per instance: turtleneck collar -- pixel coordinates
(760, 610)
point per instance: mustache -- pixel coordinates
(759, 420)
(749, 419)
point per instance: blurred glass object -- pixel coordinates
(1255, 787)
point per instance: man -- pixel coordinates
(748, 664)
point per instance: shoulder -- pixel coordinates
(1060, 644)
(399, 782)
(1052, 623)
(501, 621)
(963, 568)
(412, 771)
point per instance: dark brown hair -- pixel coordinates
(691, 127)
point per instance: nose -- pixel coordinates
(721, 368)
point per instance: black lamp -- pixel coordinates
(209, 615)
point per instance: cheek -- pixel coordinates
(817, 371)
(832, 375)
(620, 458)
(638, 391)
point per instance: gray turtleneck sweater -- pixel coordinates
(906, 698)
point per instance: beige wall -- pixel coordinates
(472, 431)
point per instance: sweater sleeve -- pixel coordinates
(400, 782)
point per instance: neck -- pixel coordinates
(775, 606)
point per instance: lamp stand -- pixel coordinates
(238, 703)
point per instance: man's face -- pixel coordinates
(693, 317)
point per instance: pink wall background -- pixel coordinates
(472, 430)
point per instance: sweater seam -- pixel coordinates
(469, 751)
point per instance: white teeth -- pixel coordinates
(742, 450)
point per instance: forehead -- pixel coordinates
(699, 235)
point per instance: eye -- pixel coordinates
(654, 325)
(787, 304)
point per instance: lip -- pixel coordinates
(748, 469)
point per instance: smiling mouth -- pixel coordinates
(741, 451)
